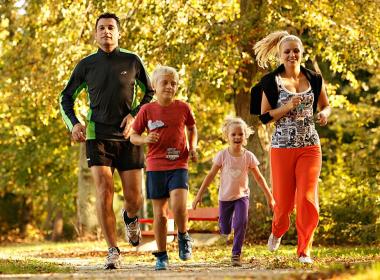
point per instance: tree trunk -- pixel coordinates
(250, 12)
(57, 226)
(86, 208)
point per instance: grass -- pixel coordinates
(353, 263)
(17, 266)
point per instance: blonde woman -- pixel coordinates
(292, 95)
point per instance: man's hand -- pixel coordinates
(127, 124)
(78, 133)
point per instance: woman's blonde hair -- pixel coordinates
(230, 121)
(268, 48)
(164, 70)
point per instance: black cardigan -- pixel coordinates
(269, 86)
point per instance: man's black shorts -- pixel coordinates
(122, 155)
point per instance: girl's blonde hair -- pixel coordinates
(230, 121)
(164, 70)
(269, 47)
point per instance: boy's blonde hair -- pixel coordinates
(230, 121)
(164, 70)
(269, 47)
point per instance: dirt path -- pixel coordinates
(186, 271)
(138, 263)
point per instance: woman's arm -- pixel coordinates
(324, 107)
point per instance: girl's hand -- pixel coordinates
(271, 203)
(152, 137)
(322, 118)
(196, 201)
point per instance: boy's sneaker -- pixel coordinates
(162, 261)
(132, 231)
(305, 259)
(273, 242)
(235, 260)
(184, 246)
(113, 260)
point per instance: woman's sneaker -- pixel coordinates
(113, 260)
(273, 242)
(184, 246)
(162, 260)
(305, 259)
(235, 260)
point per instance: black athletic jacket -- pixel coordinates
(268, 85)
(111, 81)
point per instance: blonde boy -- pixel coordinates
(166, 121)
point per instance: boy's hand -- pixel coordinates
(152, 137)
(193, 155)
(196, 201)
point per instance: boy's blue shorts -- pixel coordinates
(159, 184)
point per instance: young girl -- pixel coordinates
(235, 162)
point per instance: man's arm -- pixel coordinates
(143, 81)
(68, 96)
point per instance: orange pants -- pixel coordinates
(295, 173)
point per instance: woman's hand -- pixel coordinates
(322, 118)
(294, 102)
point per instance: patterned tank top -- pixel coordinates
(296, 128)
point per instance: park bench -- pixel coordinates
(209, 214)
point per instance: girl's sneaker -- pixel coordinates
(235, 260)
(273, 242)
(162, 260)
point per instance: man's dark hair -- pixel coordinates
(108, 15)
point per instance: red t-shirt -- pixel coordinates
(170, 152)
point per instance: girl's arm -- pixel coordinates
(192, 135)
(138, 139)
(324, 107)
(206, 182)
(263, 185)
(277, 113)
